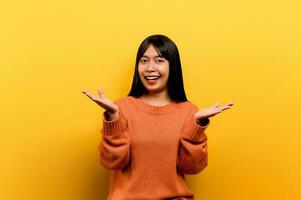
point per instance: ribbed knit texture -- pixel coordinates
(149, 149)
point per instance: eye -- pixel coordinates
(160, 60)
(143, 60)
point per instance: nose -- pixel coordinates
(150, 66)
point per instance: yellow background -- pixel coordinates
(247, 52)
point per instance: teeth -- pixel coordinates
(152, 77)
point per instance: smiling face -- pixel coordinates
(153, 71)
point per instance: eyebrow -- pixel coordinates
(158, 56)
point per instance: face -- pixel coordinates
(153, 71)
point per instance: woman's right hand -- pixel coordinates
(112, 110)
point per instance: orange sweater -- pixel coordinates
(149, 149)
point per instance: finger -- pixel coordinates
(85, 92)
(91, 96)
(230, 104)
(225, 107)
(216, 111)
(215, 105)
(219, 109)
(100, 93)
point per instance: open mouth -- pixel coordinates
(152, 77)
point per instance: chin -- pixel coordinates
(154, 89)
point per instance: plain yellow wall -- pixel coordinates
(247, 52)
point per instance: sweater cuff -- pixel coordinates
(115, 127)
(194, 130)
(203, 122)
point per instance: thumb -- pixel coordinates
(215, 105)
(100, 93)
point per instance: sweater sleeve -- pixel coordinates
(115, 145)
(192, 154)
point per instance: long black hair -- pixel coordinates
(168, 49)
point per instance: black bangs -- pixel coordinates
(168, 49)
(162, 46)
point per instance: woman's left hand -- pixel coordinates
(211, 111)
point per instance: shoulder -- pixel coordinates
(188, 110)
(120, 100)
(188, 106)
(123, 105)
(123, 102)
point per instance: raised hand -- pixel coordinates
(211, 111)
(111, 108)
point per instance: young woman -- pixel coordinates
(154, 136)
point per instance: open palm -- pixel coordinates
(211, 111)
(102, 101)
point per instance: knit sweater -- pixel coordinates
(149, 149)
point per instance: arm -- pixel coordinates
(115, 145)
(192, 154)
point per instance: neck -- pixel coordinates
(161, 97)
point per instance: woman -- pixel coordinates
(154, 136)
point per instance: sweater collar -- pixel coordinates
(152, 108)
